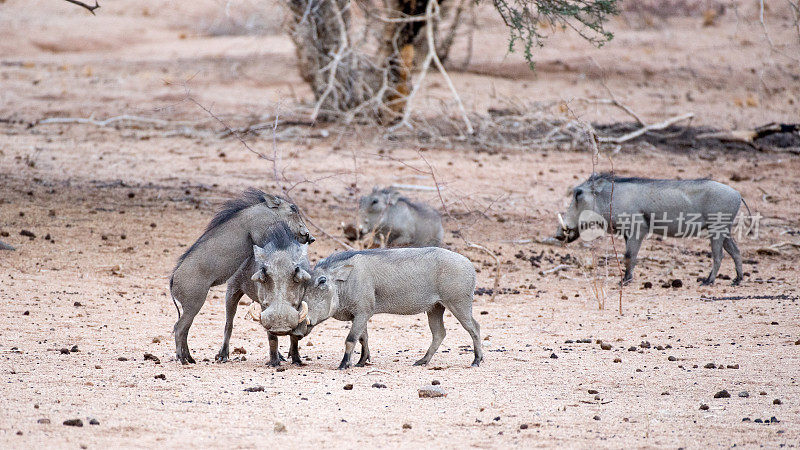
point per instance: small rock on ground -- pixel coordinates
(73, 422)
(431, 391)
(722, 394)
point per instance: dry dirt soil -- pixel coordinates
(107, 210)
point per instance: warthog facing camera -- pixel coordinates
(275, 277)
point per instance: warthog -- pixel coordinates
(398, 221)
(275, 277)
(355, 285)
(226, 243)
(641, 206)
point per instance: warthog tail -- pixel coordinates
(749, 214)
(174, 302)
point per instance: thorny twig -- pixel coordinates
(84, 5)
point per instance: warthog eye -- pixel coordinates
(578, 193)
(375, 201)
(294, 209)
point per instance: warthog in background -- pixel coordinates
(397, 221)
(275, 277)
(355, 285)
(226, 243)
(677, 208)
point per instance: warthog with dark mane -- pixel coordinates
(642, 206)
(275, 277)
(226, 243)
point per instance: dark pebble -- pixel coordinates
(524, 426)
(348, 387)
(605, 346)
(645, 344)
(406, 426)
(254, 389)
(43, 421)
(94, 422)
(73, 423)
(647, 285)
(74, 349)
(596, 417)
(436, 382)
(160, 376)
(744, 394)
(777, 401)
(677, 283)
(152, 357)
(746, 419)
(77, 304)
(722, 394)
(758, 421)
(593, 391)
(379, 385)
(553, 356)
(774, 419)
(122, 358)
(632, 348)
(26, 313)
(617, 360)
(64, 351)
(570, 341)
(704, 407)
(672, 358)
(732, 366)
(27, 233)
(497, 419)
(710, 366)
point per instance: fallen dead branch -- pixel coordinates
(4, 246)
(653, 127)
(107, 122)
(750, 136)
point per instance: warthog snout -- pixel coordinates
(283, 319)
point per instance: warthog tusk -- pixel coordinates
(303, 313)
(561, 221)
(255, 312)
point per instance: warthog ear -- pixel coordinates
(376, 189)
(273, 201)
(341, 273)
(259, 252)
(393, 197)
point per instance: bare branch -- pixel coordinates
(645, 129)
(84, 5)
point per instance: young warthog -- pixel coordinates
(355, 285)
(275, 277)
(398, 221)
(226, 243)
(641, 206)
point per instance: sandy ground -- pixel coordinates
(111, 210)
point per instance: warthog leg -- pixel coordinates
(463, 312)
(364, 350)
(274, 356)
(358, 327)
(436, 322)
(191, 300)
(632, 246)
(716, 255)
(294, 351)
(232, 296)
(730, 246)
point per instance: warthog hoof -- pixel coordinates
(421, 362)
(274, 362)
(298, 363)
(186, 359)
(706, 282)
(221, 357)
(477, 362)
(736, 282)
